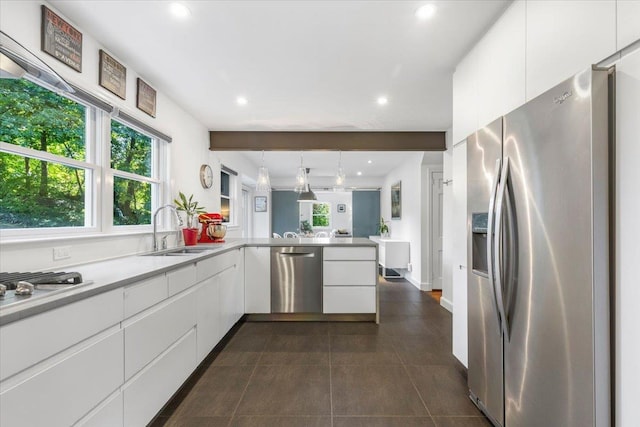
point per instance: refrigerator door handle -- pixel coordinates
(498, 273)
(490, 230)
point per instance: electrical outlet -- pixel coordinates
(409, 267)
(61, 252)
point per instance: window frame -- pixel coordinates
(328, 215)
(98, 173)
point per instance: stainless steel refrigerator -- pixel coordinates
(538, 277)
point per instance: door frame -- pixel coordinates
(426, 239)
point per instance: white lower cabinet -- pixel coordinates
(67, 388)
(209, 330)
(151, 332)
(349, 279)
(107, 414)
(146, 393)
(349, 299)
(257, 279)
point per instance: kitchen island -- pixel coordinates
(113, 350)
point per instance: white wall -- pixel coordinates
(339, 220)
(459, 252)
(409, 226)
(531, 48)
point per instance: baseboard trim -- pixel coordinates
(448, 305)
(413, 281)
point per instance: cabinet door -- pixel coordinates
(227, 299)
(149, 335)
(107, 414)
(257, 275)
(349, 273)
(209, 328)
(65, 391)
(26, 342)
(239, 286)
(349, 299)
(148, 391)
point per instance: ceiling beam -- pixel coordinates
(310, 141)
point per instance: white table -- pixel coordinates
(392, 253)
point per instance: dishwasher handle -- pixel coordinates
(297, 254)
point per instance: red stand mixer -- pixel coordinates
(213, 230)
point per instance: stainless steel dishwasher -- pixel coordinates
(296, 279)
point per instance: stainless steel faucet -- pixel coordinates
(155, 226)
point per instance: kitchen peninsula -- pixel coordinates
(112, 351)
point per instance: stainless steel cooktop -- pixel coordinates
(17, 287)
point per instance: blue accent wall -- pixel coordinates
(366, 213)
(285, 211)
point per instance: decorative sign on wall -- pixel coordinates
(342, 208)
(146, 98)
(396, 200)
(112, 75)
(60, 40)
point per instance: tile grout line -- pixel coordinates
(244, 390)
(330, 372)
(406, 370)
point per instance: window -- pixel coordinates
(134, 183)
(55, 159)
(225, 196)
(45, 172)
(321, 214)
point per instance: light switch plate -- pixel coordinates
(61, 252)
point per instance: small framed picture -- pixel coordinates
(342, 208)
(112, 75)
(146, 98)
(260, 203)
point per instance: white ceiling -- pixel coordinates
(302, 65)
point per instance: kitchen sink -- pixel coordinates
(179, 252)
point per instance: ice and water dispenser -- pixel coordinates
(479, 243)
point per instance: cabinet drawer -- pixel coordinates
(349, 273)
(107, 414)
(181, 279)
(26, 342)
(142, 295)
(348, 253)
(349, 299)
(152, 334)
(214, 265)
(257, 283)
(145, 394)
(63, 393)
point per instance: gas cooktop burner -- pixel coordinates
(10, 280)
(16, 287)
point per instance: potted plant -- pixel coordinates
(384, 228)
(191, 208)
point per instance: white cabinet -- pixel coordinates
(150, 389)
(586, 35)
(107, 414)
(349, 279)
(68, 388)
(465, 99)
(209, 331)
(142, 295)
(181, 279)
(154, 330)
(500, 66)
(36, 338)
(460, 252)
(628, 22)
(257, 279)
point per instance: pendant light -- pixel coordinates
(307, 195)
(301, 177)
(340, 176)
(263, 184)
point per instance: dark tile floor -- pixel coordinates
(334, 374)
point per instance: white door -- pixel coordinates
(436, 229)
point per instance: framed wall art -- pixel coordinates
(260, 203)
(61, 40)
(396, 200)
(342, 208)
(146, 98)
(112, 75)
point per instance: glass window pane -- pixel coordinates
(35, 194)
(34, 117)
(131, 202)
(224, 184)
(321, 214)
(225, 209)
(130, 150)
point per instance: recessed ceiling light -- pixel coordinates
(426, 11)
(369, 161)
(241, 100)
(179, 10)
(382, 100)
(359, 173)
